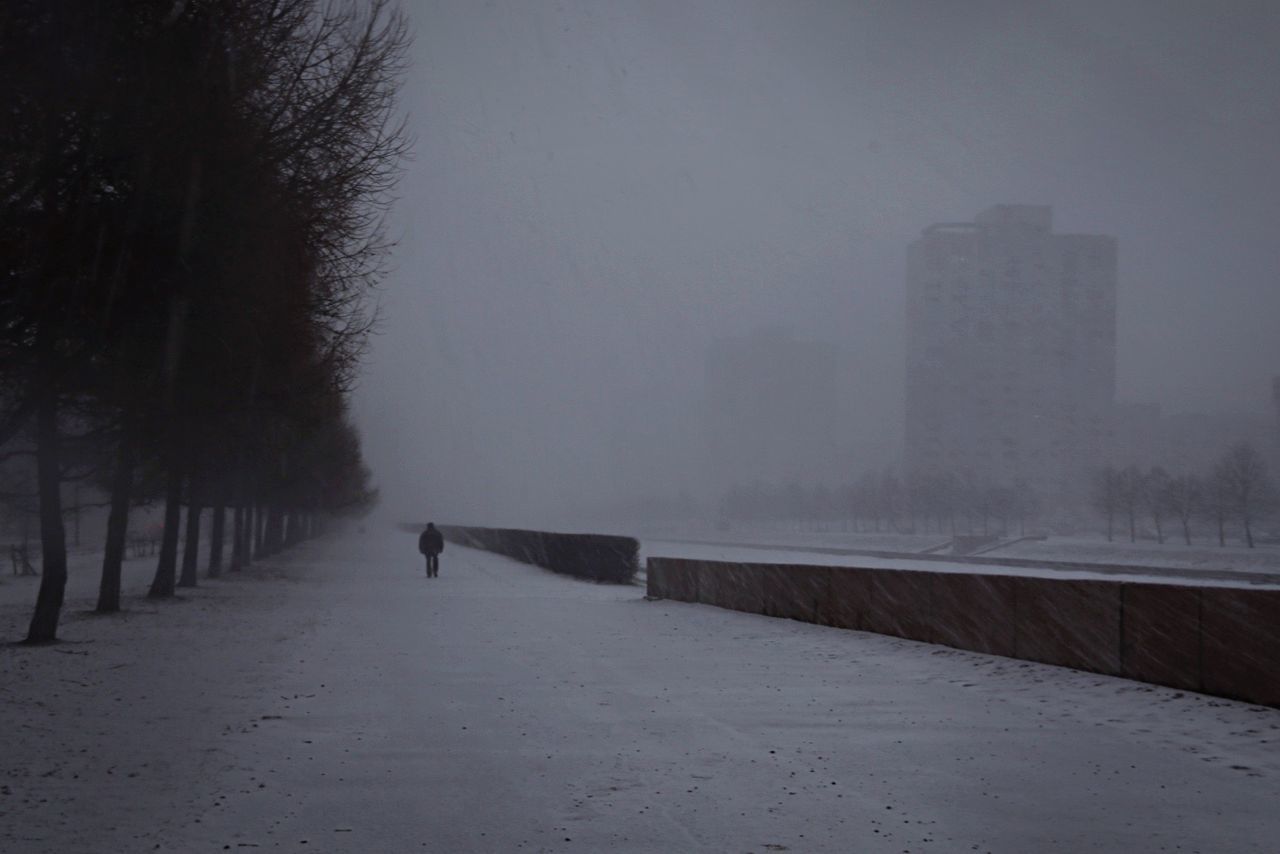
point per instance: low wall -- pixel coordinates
(595, 557)
(1216, 640)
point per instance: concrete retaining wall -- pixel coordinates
(596, 557)
(1216, 640)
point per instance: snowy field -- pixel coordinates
(336, 700)
(1202, 565)
(1173, 552)
(1201, 554)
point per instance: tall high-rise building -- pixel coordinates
(1011, 352)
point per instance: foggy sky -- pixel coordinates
(600, 188)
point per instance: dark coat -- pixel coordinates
(431, 542)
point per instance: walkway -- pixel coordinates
(504, 708)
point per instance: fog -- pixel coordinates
(601, 190)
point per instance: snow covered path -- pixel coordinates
(339, 701)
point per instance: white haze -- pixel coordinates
(601, 188)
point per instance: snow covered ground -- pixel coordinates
(1260, 574)
(1173, 553)
(336, 700)
(787, 555)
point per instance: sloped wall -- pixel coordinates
(597, 557)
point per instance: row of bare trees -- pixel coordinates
(1237, 491)
(191, 217)
(947, 503)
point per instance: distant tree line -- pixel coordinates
(946, 503)
(191, 216)
(1235, 494)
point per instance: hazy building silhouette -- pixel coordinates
(1011, 351)
(772, 413)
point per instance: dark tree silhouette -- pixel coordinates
(191, 203)
(1245, 489)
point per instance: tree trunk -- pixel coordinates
(53, 538)
(271, 531)
(250, 537)
(271, 536)
(117, 524)
(264, 532)
(237, 538)
(215, 538)
(1222, 530)
(259, 533)
(162, 585)
(191, 548)
(1159, 529)
(247, 551)
(246, 534)
(1186, 530)
(1248, 529)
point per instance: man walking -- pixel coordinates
(431, 543)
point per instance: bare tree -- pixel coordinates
(1129, 496)
(1155, 484)
(1105, 497)
(1183, 498)
(191, 214)
(1003, 503)
(1028, 505)
(1217, 504)
(1242, 474)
